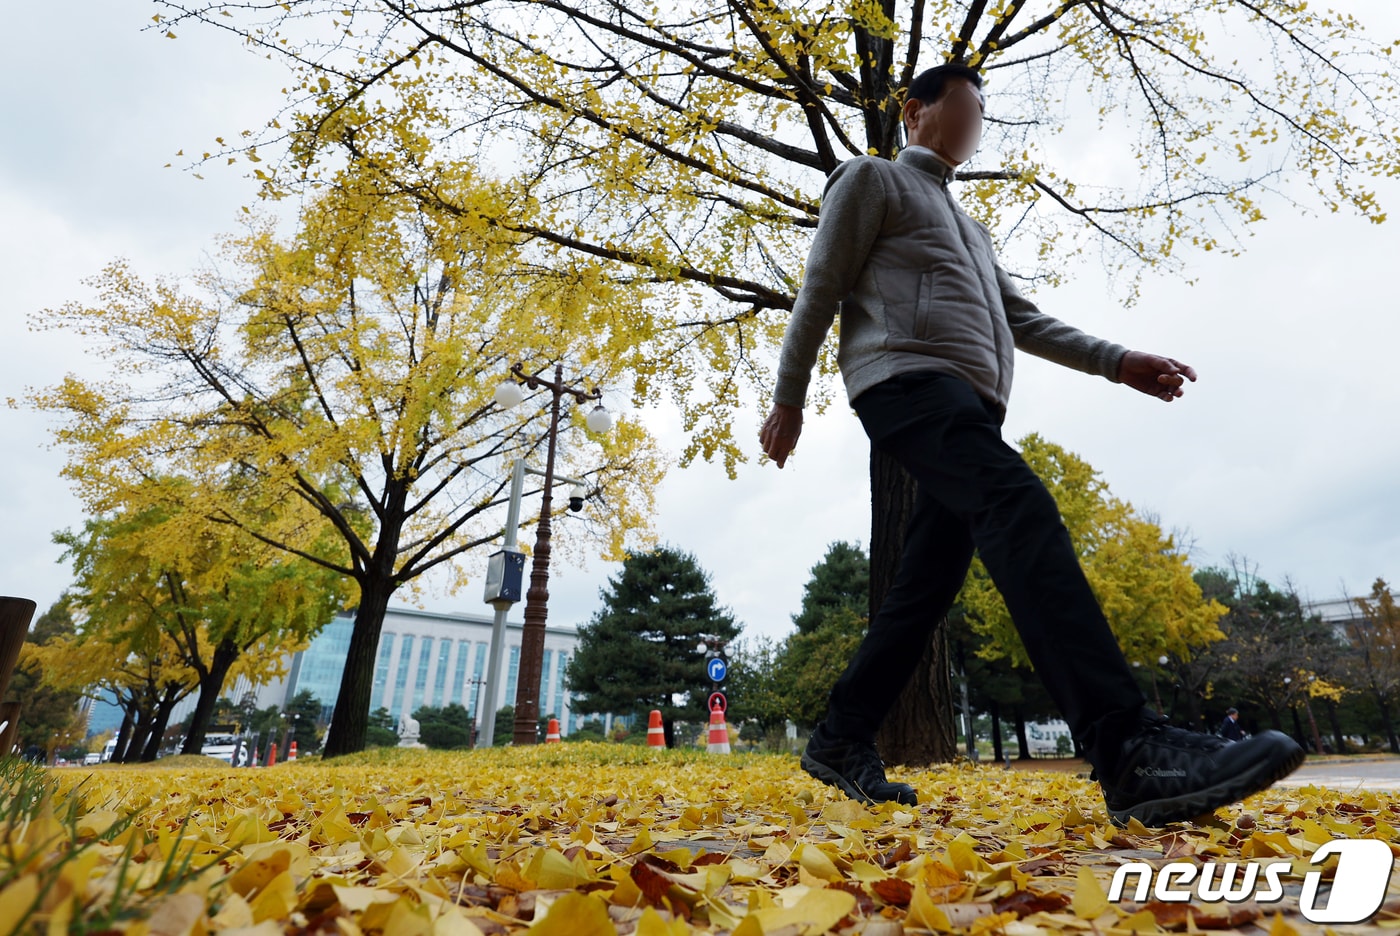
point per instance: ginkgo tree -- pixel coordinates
(687, 146)
(139, 667)
(161, 568)
(349, 369)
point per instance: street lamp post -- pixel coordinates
(527, 701)
(290, 731)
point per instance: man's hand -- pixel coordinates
(780, 431)
(1157, 376)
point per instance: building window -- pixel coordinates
(420, 684)
(514, 673)
(543, 695)
(405, 658)
(478, 668)
(561, 700)
(440, 680)
(323, 662)
(381, 671)
(459, 677)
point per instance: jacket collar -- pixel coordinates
(921, 157)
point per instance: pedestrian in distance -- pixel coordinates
(1230, 728)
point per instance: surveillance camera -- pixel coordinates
(576, 496)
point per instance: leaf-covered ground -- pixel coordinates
(600, 839)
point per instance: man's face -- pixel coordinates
(950, 126)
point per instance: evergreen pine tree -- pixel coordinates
(839, 582)
(640, 650)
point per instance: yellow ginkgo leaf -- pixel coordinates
(651, 924)
(1089, 900)
(817, 863)
(575, 914)
(818, 910)
(255, 875)
(923, 911)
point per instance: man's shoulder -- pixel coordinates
(860, 179)
(864, 166)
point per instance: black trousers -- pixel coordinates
(976, 492)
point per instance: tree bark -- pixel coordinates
(1383, 704)
(123, 736)
(919, 729)
(350, 718)
(1021, 740)
(997, 754)
(211, 683)
(139, 733)
(158, 726)
(1337, 735)
(1298, 734)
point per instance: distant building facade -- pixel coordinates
(424, 658)
(430, 659)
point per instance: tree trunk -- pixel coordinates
(919, 729)
(1192, 699)
(158, 726)
(1021, 740)
(1337, 735)
(123, 736)
(997, 753)
(211, 683)
(668, 728)
(350, 718)
(1383, 703)
(139, 733)
(1298, 734)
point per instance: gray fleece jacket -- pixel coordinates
(918, 287)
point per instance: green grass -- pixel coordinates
(42, 836)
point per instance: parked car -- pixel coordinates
(224, 747)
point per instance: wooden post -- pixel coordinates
(15, 615)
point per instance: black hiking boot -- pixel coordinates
(854, 767)
(1167, 774)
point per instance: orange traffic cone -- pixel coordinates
(272, 755)
(551, 734)
(292, 753)
(719, 733)
(656, 735)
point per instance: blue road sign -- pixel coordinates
(717, 669)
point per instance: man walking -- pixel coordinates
(1230, 728)
(928, 326)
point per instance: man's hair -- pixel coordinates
(1232, 711)
(928, 85)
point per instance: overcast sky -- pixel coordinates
(1286, 451)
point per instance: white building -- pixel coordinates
(424, 658)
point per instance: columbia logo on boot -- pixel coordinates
(1160, 772)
